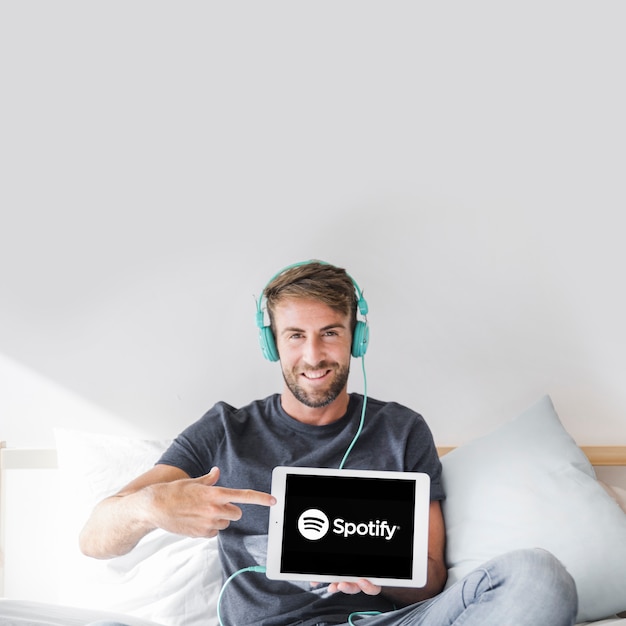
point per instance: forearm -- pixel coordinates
(164, 497)
(437, 571)
(116, 525)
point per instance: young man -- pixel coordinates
(215, 479)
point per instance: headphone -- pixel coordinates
(360, 338)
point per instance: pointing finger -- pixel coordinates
(247, 496)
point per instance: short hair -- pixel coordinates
(315, 280)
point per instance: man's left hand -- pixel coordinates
(362, 584)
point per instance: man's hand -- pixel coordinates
(194, 507)
(164, 497)
(362, 585)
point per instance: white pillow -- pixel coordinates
(528, 484)
(617, 493)
(167, 578)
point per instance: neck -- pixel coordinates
(315, 416)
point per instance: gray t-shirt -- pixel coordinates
(246, 444)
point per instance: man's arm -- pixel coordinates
(164, 497)
(437, 571)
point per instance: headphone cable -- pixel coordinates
(254, 568)
(358, 432)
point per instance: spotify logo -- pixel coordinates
(313, 524)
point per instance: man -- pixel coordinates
(215, 479)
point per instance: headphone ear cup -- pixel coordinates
(268, 344)
(360, 339)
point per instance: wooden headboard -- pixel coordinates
(599, 456)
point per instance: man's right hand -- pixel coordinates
(195, 507)
(164, 497)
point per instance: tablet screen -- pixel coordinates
(350, 525)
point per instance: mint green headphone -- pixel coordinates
(360, 338)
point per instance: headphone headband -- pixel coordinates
(360, 338)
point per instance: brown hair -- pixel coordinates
(316, 280)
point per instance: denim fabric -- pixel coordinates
(521, 588)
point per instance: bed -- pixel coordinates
(525, 484)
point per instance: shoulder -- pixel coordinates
(395, 412)
(222, 413)
(403, 424)
(197, 446)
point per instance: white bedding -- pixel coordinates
(24, 613)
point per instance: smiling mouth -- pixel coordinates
(316, 375)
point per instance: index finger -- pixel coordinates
(246, 496)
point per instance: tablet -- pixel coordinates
(331, 525)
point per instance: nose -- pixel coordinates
(313, 351)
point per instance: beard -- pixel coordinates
(318, 398)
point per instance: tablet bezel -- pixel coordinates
(421, 482)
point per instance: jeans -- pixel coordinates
(521, 588)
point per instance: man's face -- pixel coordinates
(314, 344)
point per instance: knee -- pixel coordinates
(539, 573)
(544, 567)
(528, 586)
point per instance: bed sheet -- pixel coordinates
(26, 613)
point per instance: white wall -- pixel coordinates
(160, 161)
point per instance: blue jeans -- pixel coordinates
(521, 588)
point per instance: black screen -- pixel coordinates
(352, 526)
